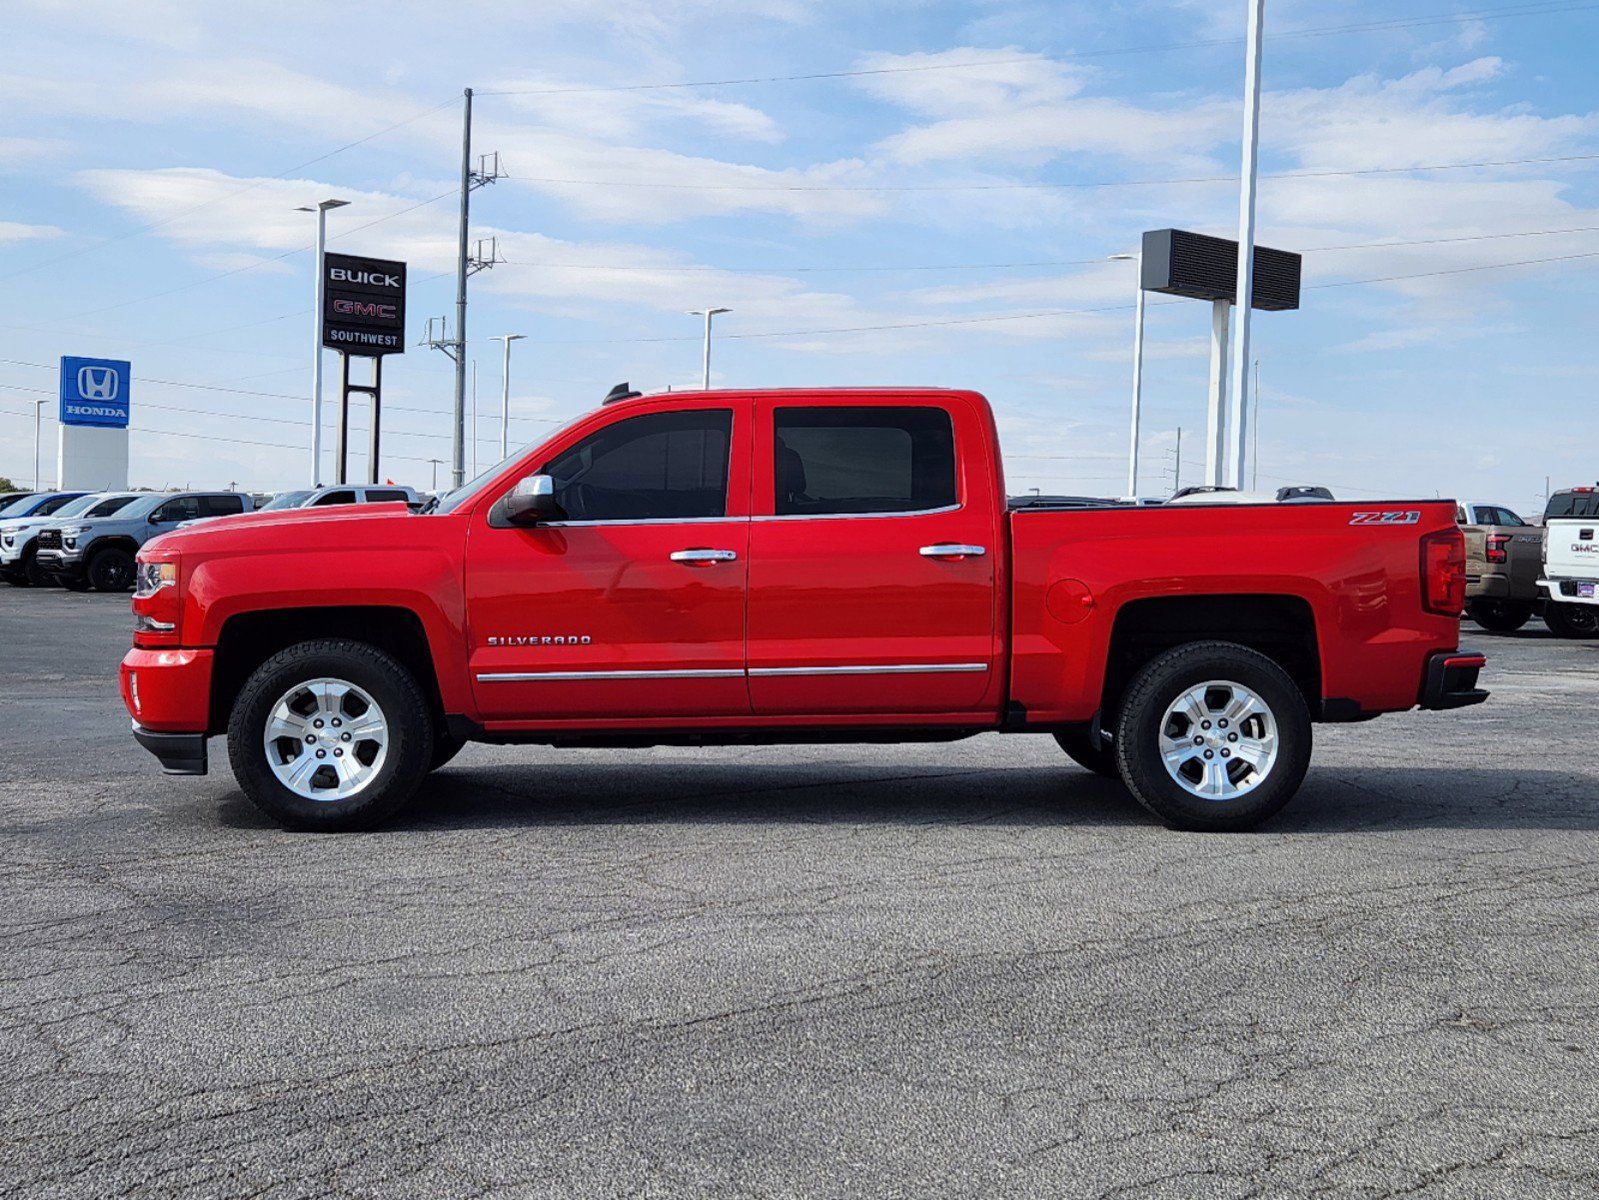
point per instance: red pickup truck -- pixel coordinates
(783, 566)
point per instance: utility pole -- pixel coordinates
(705, 371)
(435, 462)
(467, 264)
(1177, 469)
(1216, 412)
(38, 420)
(505, 391)
(321, 211)
(1245, 291)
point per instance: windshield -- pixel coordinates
(285, 500)
(109, 505)
(15, 506)
(451, 500)
(76, 508)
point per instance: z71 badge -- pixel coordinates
(1404, 517)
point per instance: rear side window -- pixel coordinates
(221, 506)
(106, 507)
(345, 497)
(384, 495)
(657, 467)
(50, 506)
(830, 461)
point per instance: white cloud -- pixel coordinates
(16, 231)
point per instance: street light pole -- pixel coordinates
(1239, 432)
(1138, 369)
(38, 420)
(505, 391)
(321, 211)
(707, 313)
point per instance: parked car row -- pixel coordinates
(1516, 570)
(88, 540)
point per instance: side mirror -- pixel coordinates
(532, 500)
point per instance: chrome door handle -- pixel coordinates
(704, 557)
(953, 550)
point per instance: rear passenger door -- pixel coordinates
(225, 505)
(872, 559)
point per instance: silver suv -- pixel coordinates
(98, 552)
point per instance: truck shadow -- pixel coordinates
(1333, 799)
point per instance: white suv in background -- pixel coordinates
(1571, 563)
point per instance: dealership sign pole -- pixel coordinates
(1245, 290)
(321, 211)
(363, 316)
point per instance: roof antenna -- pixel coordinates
(621, 391)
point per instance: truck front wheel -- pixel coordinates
(1572, 620)
(330, 735)
(1213, 736)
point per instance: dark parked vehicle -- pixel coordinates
(1504, 558)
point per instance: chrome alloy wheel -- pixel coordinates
(326, 739)
(1218, 740)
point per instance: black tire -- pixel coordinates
(110, 570)
(33, 575)
(73, 583)
(395, 691)
(1081, 750)
(445, 747)
(1144, 711)
(1500, 616)
(15, 578)
(1572, 620)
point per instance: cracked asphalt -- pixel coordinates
(948, 971)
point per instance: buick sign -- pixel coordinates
(94, 391)
(363, 307)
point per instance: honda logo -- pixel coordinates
(97, 383)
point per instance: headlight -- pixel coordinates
(73, 531)
(151, 577)
(8, 539)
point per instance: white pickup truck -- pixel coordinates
(1571, 563)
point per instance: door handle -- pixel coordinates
(704, 558)
(952, 550)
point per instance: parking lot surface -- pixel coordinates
(920, 971)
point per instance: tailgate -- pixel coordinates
(1571, 549)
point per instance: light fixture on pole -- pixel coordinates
(1238, 432)
(707, 313)
(321, 211)
(1138, 369)
(38, 419)
(505, 390)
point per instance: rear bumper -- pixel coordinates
(1564, 591)
(1451, 679)
(178, 753)
(1490, 586)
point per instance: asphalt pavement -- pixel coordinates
(907, 971)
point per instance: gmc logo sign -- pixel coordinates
(363, 308)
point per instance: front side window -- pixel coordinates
(181, 508)
(656, 467)
(862, 460)
(114, 505)
(1503, 516)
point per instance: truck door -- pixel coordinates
(632, 604)
(873, 559)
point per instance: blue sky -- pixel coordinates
(934, 212)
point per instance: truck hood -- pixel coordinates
(258, 528)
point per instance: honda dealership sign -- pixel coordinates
(363, 310)
(94, 391)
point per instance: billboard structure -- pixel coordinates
(1177, 262)
(363, 316)
(92, 437)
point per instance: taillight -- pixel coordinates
(1496, 547)
(1443, 572)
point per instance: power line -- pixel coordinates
(1063, 185)
(1546, 8)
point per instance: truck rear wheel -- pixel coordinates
(1080, 748)
(330, 735)
(1572, 620)
(1213, 736)
(1500, 616)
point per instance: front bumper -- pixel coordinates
(1451, 679)
(60, 562)
(1564, 591)
(179, 753)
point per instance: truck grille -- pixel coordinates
(49, 539)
